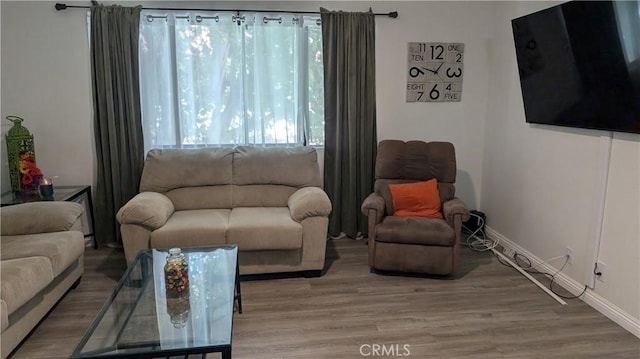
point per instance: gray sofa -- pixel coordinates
(41, 258)
(268, 201)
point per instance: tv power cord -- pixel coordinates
(477, 239)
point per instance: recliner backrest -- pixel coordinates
(413, 161)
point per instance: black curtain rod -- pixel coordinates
(60, 6)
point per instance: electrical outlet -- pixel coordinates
(569, 255)
(601, 268)
(508, 252)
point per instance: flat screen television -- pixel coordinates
(579, 65)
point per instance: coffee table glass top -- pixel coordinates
(141, 319)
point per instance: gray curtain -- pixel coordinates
(117, 118)
(350, 116)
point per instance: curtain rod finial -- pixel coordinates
(393, 14)
(60, 6)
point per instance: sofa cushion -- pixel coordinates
(61, 248)
(189, 228)
(39, 217)
(169, 169)
(22, 279)
(205, 197)
(295, 166)
(264, 228)
(415, 230)
(268, 195)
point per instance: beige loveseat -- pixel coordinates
(265, 200)
(41, 252)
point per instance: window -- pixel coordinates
(226, 79)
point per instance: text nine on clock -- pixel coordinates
(415, 71)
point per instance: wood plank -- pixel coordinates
(486, 311)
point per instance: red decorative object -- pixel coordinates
(30, 174)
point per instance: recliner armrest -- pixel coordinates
(309, 202)
(454, 207)
(39, 217)
(373, 202)
(147, 209)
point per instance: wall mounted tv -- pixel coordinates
(579, 65)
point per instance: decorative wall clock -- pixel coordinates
(435, 71)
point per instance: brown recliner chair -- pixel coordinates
(414, 244)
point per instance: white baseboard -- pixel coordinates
(597, 302)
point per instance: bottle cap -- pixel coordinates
(174, 251)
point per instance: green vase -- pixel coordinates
(19, 139)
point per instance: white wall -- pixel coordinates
(620, 246)
(461, 123)
(46, 81)
(540, 183)
(536, 183)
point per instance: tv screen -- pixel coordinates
(579, 65)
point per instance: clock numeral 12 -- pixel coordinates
(436, 52)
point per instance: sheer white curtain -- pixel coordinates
(222, 79)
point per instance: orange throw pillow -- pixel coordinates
(418, 199)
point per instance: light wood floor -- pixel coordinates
(488, 311)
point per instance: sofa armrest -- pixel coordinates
(39, 217)
(454, 207)
(309, 202)
(374, 202)
(150, 210)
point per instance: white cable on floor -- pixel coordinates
(535, 281)
(479, 243)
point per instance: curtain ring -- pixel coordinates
(150, 18)
(267, 19)
(202, 18)
(237, 19)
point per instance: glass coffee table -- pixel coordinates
(140, 320)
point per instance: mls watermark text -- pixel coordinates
(385, 350)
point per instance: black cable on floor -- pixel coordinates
(548, 275)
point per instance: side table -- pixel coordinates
(60, 193)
